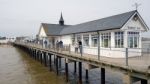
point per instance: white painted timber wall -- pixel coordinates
(110, 52)
(42, 33)
(66, 39)
(107, 52)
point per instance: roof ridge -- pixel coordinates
(49, 23)
(108, 17)
(111, 22)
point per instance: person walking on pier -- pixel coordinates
(45, 42)
(76, 47)
(57, 45)
(80, 46)
(61, 45)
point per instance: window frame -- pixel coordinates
(94, 36)
(119, 39)
(85, 37)
(106, 37)
(131, 39)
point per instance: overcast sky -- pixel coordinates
(23, 17)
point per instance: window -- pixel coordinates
(78, 38)
(86, 40)
(133, 39)
(119, 39)
(94, 38)
(106, 37)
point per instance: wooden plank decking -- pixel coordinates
(137, 65)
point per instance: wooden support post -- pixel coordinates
(54, 59)
(50, 63)
(45, 61)
(32, 54)
(66, 71)
(59, 62)
(80, 72)
(75, 67)
(57, 65)
(102, 75)
(35, 54)
(86, 75)
(143, 81)
(41, 58)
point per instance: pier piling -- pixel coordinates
(86, 75)
(143, 81)
(102, 75)
(50, 65)
(75, 67)
(66, 70)
(41, 59)
(45, 63)
(80, 72)
(59, 62)
(57, 65)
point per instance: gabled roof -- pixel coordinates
(112, 22)
(53, 29)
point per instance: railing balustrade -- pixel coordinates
(132, 57)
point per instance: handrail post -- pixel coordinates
(126, 56)
(81, 51)
(69, 49)
(98, 45)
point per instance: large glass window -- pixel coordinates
(119, 39)
(94, 39)
(133, 39)
(78, 38)
(86, 40)
(106, 39)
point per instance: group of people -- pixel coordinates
(78, 45)
(59, 44)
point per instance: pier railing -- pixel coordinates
(138, 62)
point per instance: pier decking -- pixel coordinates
(137, 66)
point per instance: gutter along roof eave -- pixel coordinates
(90, 31)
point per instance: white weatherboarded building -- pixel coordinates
(111, 35)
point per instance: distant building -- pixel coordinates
(113, 34)
(51, 32)
(4, 40)
(24, 39)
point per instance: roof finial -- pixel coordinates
(136, 5)
(61, 21)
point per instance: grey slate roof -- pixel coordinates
(112, 22)
(53, 29)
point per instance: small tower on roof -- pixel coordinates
(61, 21)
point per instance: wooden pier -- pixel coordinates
(136, 70)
